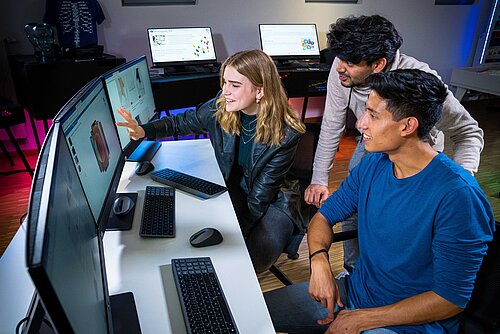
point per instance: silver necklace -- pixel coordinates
(248, 132)
(249, 139)
(252, 128)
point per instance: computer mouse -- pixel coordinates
(122, 205)
(207, 236)
(144, 167)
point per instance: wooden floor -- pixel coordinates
(14, 191)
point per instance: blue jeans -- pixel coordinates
(293, 310)
(351, 247)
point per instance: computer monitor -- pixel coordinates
(129, 86)
(180, 48)
(90, 132)
(288, 42)
(64, 251)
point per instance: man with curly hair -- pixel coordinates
(364, 45)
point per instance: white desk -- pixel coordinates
(485, 79)
(142, 265)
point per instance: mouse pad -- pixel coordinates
(122, 223)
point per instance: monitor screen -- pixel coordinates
(64, 251)
(90, 132)
(129, 86)
(181, 46)
(289, 41)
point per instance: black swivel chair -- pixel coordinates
(301, 170)
(10, 115)
(482, 314)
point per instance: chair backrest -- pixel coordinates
(304, 156)
(482, 314)
(303, 163)
(326, 56)
(302, 170)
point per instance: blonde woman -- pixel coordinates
(254, 133)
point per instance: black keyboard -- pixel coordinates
(202, 300)
(188, 183)
(158, 214)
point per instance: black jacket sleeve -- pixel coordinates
(192, 121)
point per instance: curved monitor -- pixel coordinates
(129, 86)
(289, 41)
(181, 46)
(64, 250)
(90, 132)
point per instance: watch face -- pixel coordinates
(100, 146)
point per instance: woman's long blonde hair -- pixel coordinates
(274, 111)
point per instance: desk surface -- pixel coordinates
(142, 265)
(485, 79)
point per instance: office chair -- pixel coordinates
(10, 115)
(326, 56)
(302, 170)
(482, 314)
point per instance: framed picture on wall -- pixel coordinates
(157, 2)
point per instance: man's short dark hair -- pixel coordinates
(411, 93)
(367, 38)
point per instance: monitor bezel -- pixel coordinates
(182, 63)
(106, 211)
(132, 145)
(290, 57)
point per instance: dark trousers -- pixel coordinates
(266, 239)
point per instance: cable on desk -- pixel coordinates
(20, 323)
(22, 218)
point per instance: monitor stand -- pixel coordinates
(145, 151)
(37, 321)
(123, 313)
(122, 222)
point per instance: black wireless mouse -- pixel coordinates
(144, 167)
(207, 236)
(122, 205)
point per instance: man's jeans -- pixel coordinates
(293, 310)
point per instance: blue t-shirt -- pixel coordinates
(423, 233)
(75, 21)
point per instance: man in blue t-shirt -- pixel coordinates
(423, 225)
